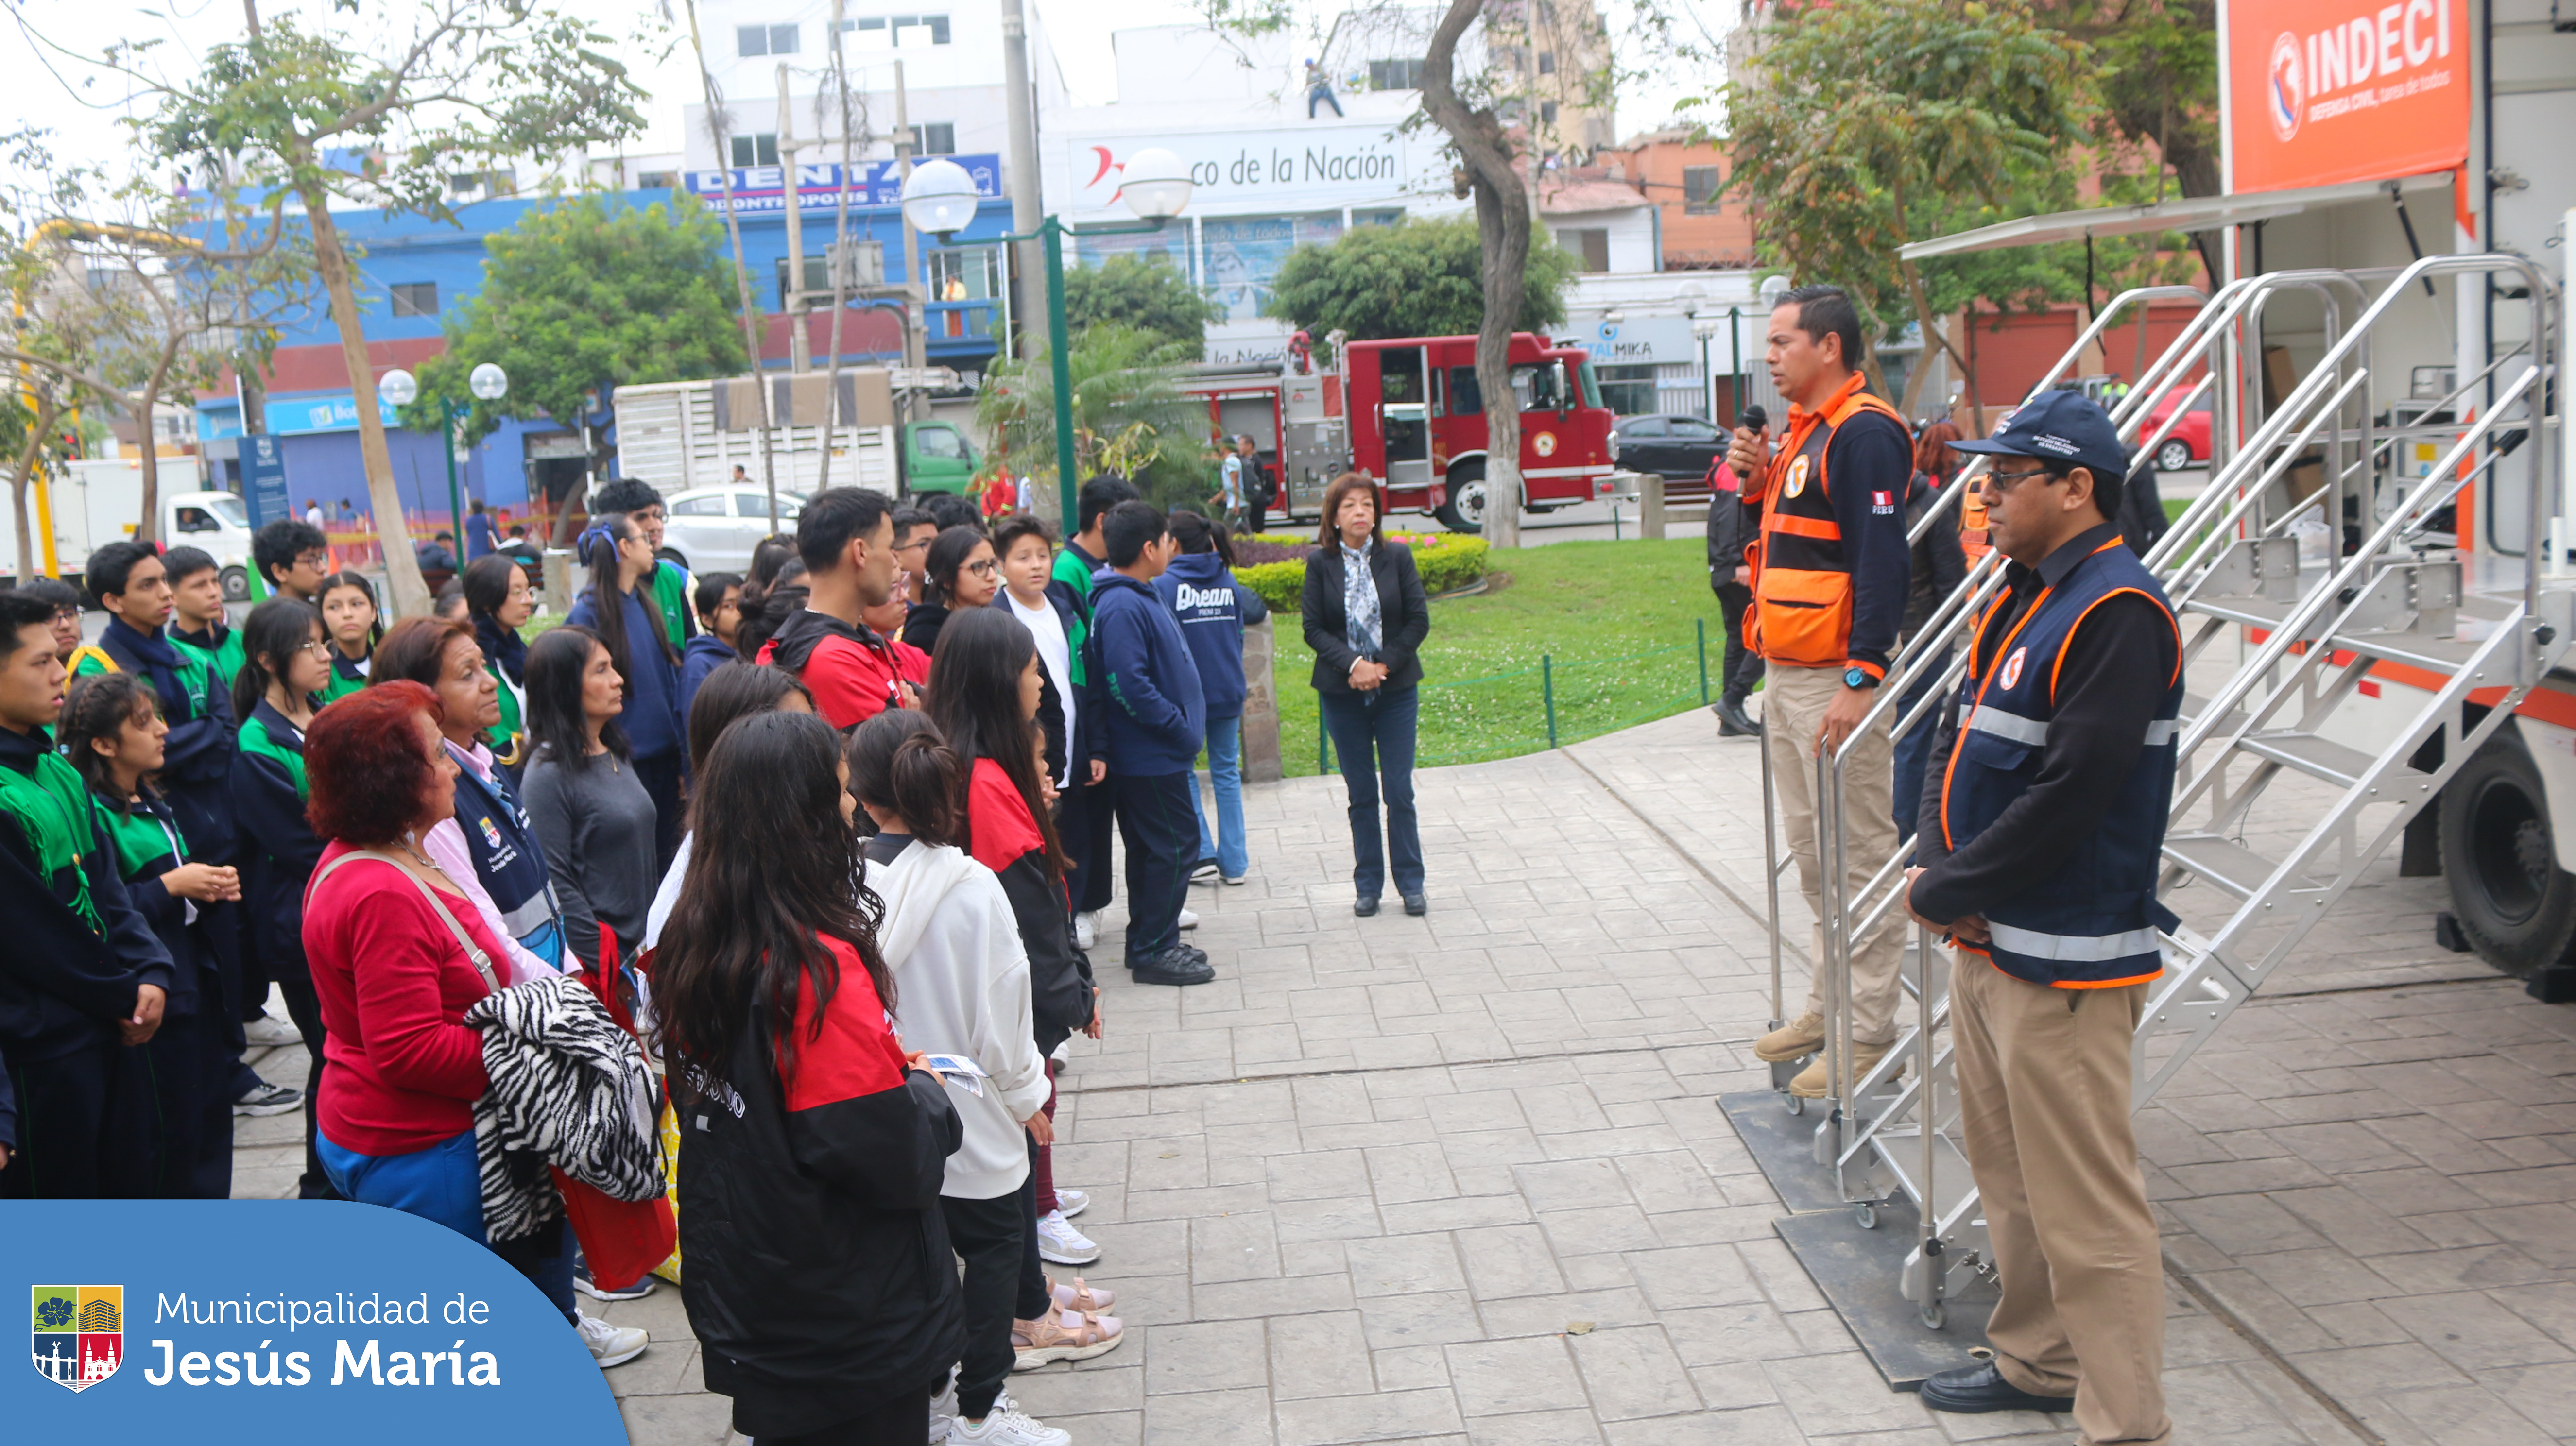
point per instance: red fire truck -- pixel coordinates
(1409, 412)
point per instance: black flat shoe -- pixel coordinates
(1364, 908)
(1972, 1390)
(1734, 722)
(1416, 905)
(1173, 966)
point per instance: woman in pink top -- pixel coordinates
(394, 982)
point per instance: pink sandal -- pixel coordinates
(1063, 1336)
(1080, 1296)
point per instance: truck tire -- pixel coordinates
(1464, 508)
(236, 584)
(2513, 902)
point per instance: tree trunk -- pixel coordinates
(21, 478)
(1503, 232)
(148, 530)
(410, 595)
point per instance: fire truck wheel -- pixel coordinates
(1465, 509)
(2517, 907)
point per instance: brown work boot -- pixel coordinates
(1816, 1080)
(1796, 1039)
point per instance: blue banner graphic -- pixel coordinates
(758, 189)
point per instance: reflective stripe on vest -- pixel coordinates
(2034, 731)
(1802, 590)
(2074, 948)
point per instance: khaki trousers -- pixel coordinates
(2044, 1097)
(1794, 702)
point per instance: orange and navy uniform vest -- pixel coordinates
(2091, 922)
(1802, 585)
(1973, 538)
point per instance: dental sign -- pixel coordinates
(2326, 91)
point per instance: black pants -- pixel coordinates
(191, 1063)
(899, 1420)
(1084, 814)
(1742, 669)
(661, 778)
(1161, 831)
(998, 1242)
(87, 1127)
(305, 1008)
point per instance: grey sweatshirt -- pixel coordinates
(596, 823)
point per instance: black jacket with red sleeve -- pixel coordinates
(820, 1279)
(1003, 836)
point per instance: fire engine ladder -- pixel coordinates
(2229, 562)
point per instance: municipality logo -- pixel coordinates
(79, 1333)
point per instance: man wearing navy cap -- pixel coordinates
(2043, 817)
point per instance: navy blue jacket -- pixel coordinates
(1153, 716)
(706, 653)
(280, 847)
(63, 985)
(652, 719)
(197, 765)
(1213, 608)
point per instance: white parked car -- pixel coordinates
(714, 529)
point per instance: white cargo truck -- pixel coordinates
(95, 503)
(683, 435)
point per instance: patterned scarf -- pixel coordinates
(1359, 603)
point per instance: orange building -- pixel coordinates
(1701, 230)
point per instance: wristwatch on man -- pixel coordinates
(1856, 676)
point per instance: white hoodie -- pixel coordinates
(962, 987)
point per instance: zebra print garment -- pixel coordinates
(569, 1090)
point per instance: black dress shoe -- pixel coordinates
(1416, 905)
(1364, 908)
(1973, 1389)
(1733, 721)
(1175, 965)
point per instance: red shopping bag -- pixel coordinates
(621, 1239)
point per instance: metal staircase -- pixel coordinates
(2316, 626)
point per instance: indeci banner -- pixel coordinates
(249, 1320)
(2327, 91)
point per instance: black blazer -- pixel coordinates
(1404, 616)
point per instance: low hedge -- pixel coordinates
(1446, 560)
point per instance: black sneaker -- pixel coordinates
(268, 1099)
(581, 1280)
(1206, 872)
(1175, 965)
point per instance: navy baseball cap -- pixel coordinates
(2060, 426)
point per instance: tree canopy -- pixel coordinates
(587, 293)
(1414, 278)
(1150, 295)
(1129, 414)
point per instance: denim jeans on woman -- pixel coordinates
(1225, 775)
(441, 1183)
(1373, 736)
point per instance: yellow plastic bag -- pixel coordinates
(670, 1269)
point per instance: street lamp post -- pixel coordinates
(939, 199)
(488, 383)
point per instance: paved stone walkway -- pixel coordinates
(1462, 1179)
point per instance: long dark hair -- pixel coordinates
(556, 662)
(273, 633)
(899, 764)
(948, 552)
(98, 707)
(600, 548)
(735, 690)
(773, 871)
(975, 701)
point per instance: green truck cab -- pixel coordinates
(936, 457)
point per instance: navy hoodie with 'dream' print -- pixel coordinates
(1213, 608)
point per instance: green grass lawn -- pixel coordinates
(1616, 619)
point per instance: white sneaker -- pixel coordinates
(1063, 1051)
(943, 1409)
(1187, 920)
(1069, 1203)
(1060, 1243)
(1086, 929)
(611, 1345)
(1237, 879)
(1008, 1425)
(270, 1032)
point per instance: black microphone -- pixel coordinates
(1754, 417)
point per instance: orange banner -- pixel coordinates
(2322, 91)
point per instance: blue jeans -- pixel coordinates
(1373, 734)
(1225, 774)
(1913, 754)
(441, 1183)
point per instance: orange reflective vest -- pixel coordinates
(1973, 539)
(1802, 588)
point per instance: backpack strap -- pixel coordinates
(482, 961)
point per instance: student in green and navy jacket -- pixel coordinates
(673, 586)
(356, 625)
(134, 587)
(498, 601)
(285, 662)
(82, 980)
(114, 736)
(197, 622)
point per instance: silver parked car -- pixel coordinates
(714, 529)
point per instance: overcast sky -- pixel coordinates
(81, 104)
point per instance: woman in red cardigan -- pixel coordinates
(394, 981)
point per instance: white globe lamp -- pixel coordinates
(1155, 184)
(939, 198)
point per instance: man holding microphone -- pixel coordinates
(1828, 569)
(2043, 819)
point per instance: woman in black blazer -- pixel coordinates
(1367, 681)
